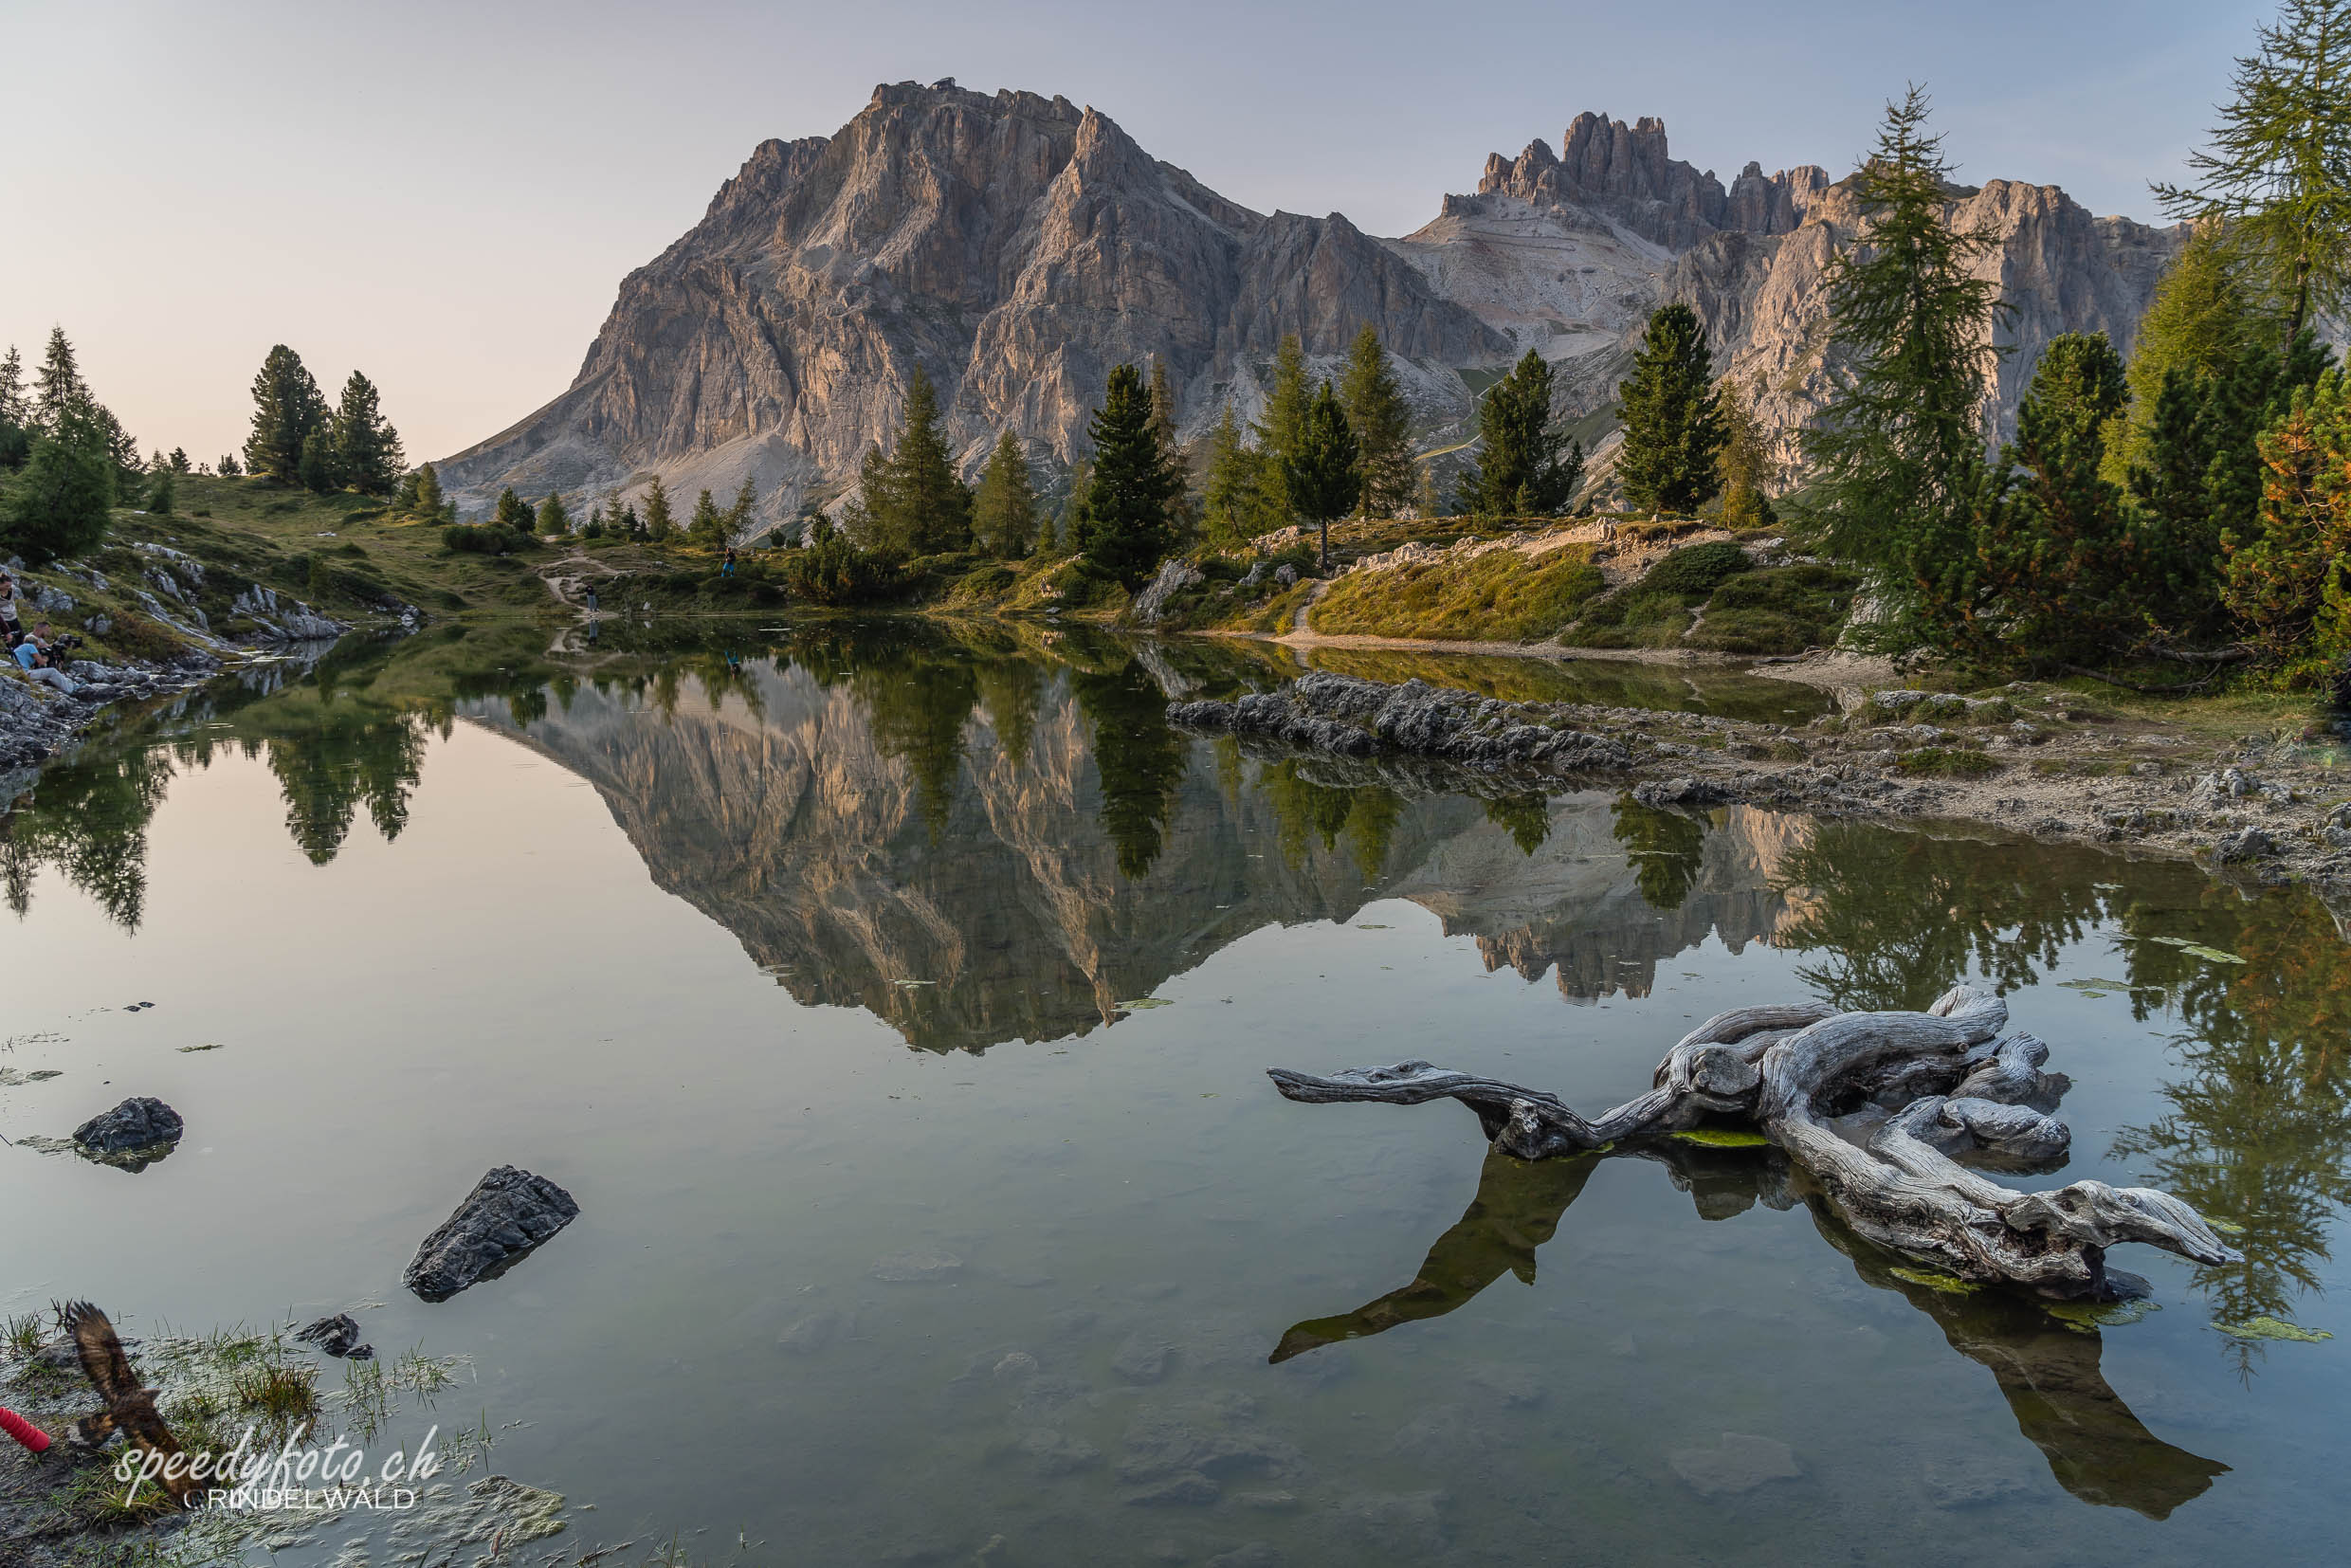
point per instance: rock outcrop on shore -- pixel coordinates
(1338, 713)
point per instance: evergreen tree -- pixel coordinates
(1743, 466)
(16, 427)
(513, 511)
(743, 512)
(2201, 322)
(707, 527)
(161, 494)
(287, 410)
(228, 467)
(2276, 173)
(179, 460)
(430, 499)
(2284, 580)
(1520, 469)
(1004, 514)
(1163, 408)
(1897, 454)
(2060, 559)
(1382, 422)
(1235, 475)
(1281, 429)
(58, 385)
(914, 503)
(658, 522)
(57, 505)
(366, 448)
(1125, 527)
(1672, 418)
(121, 446)
(552, 515)
(318, 469)
(1323, 480)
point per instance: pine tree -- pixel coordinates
(1125, 527)
(179, 460)
(366, 448)
(513, 511)
(1323, 480)
(707, 527)
(2283, 578)
(428, 496)
(1283, 428)
(56, 506)
(2276, 173)
(318, 468)
(1897, 455)
(658, 522)
(161, 494)
(15, 412)
(287, 408)
(1004, 514)
(1520, 469)
(58, 385)
(552, 515)
(1743, 466)
(1672, 417)
(1163, 408)
(228, 467)
(1382, 422)
(2060, 558)
(1235, 473)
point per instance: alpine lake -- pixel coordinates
(895, 999)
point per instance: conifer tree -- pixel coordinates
(513, 511)
(1163, 407)
(658, 522)
(1283, 426)
(2274, 175)
(228, 467)
(287, 408)
(57, 505)
(1004, 514)
(743, 512)
(1323, 480)
(366, 448)
(1235, 475)
(1742, 467)
(161, 494)
(318, 468)
(1672, 417)
(1381, 422)
(16, 430)
(707, 527)
(430, 499)
(58, 385)
(1524, 466)
(554, 517)
(1897, 454)
(2283, 578)
(179, 460)
(1125, 527)
(915, 501)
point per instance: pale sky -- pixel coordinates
(447, 195)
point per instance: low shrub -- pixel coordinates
(487, 538)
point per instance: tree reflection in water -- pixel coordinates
(2047, 1369)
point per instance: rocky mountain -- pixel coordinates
(1014, 247)
(987, 895)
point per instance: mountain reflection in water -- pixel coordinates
(991, 835)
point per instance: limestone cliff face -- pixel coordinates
(792, 824)
(1016, 247)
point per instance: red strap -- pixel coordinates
(23, 1430)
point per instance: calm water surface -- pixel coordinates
(896, 1004)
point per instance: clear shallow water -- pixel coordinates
(801, 965)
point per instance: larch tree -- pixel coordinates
(1228, 500)
(1125, 526)
(2276, 173)
(742, 513)
(58, 385)
(1004, 514)
(554, 516)
(1382, 423)
(707, 527)
(658, 522)
(1283, 426)
(1672, 417)
(916, 504)
(1743, 466)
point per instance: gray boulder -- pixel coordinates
(139, 1123)
(508, 1213)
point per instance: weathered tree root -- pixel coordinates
(1820, 1083)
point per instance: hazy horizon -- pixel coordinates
(447, 199)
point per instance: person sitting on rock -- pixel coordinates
(32, 654)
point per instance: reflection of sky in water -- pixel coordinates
(696, 1023)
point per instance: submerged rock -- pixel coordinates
(337, 1336)
(138, 1124)
(508, 1213)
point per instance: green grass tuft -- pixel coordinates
(1501, 596)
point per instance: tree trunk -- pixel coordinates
(1873, 1105)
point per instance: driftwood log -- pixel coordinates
(1877, 1108)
